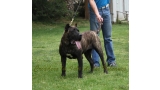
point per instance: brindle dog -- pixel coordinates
(73, 45)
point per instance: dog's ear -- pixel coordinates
(66, 28)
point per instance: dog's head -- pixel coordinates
(73, 33)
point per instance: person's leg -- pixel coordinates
(94, 26)
(107, 32)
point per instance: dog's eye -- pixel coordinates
(77, 30)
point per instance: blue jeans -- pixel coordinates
(107, 31)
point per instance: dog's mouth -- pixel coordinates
(78, 43)
(73, 42)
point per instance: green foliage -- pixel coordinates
(52, 9)
(81, 9)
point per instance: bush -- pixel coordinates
(81, 9)
(48, 9)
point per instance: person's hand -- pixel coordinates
(99, 18)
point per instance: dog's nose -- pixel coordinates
(80, 36)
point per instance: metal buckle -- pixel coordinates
(104, 6)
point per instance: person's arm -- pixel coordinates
(94, 7)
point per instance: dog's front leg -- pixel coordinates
(63, 61)
(80, 66)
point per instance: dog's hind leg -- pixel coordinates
(63, 61)
(100, 52)
(88, 56)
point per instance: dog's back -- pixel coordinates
(90, 38)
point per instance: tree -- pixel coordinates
(83, 10)
(55, 9)
(86, 10)
(70, 6)
(48, 9)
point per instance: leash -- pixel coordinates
(74, 14)
(98, 30)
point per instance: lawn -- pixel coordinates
(46, 64)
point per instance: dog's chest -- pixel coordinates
(70, 50)
(70, 53)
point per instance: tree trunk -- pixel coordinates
(86, 10)
(70, 6)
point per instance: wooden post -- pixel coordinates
(86, 10)
(127, 15)
(117, 17)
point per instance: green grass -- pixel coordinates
(46, 64)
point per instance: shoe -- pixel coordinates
(112, 64)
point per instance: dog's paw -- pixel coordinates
(90, 72)
(63, 75)
(106, 72)
(79, 76)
